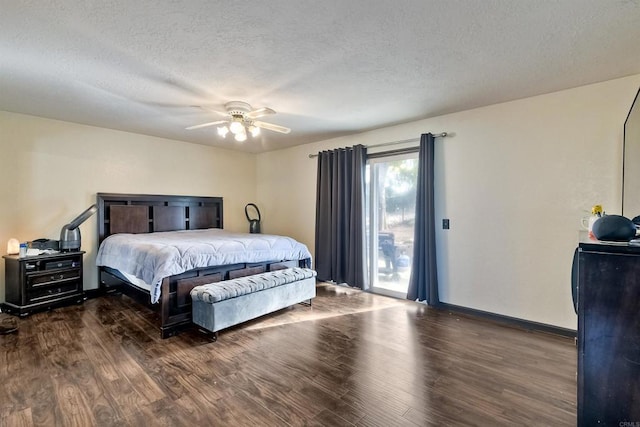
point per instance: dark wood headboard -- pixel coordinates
(144, 213)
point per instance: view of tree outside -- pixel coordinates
(397, 201)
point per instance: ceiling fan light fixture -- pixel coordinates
(223, 131)
(236, 127)
(240, 120)
(255, 130)
(241, 136)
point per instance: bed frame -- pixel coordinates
(136, 213)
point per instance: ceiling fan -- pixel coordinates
(240, 119)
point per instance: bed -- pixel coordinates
(154, 218)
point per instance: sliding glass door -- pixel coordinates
(391, 202)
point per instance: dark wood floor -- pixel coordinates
(351, 359)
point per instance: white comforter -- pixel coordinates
(152, 257)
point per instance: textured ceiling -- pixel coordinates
(329, 68)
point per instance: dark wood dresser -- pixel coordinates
(608, 334)
(42, 282)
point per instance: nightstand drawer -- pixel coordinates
(58, 277)
(51, 292)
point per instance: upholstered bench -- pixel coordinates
(223, 304)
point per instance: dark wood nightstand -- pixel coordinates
(42, 282)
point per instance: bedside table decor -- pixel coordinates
(13, 246)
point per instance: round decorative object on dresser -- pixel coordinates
(615, 228)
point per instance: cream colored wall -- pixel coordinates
(514, 179)
(51, 171)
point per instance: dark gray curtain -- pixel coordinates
(423, 284)
(340, 215)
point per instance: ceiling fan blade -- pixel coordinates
(211, 110)
(204, 125)
(271, 126)
(260, 112)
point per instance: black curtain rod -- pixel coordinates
(404, 141)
